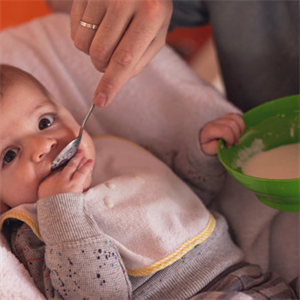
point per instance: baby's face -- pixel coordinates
(33, 130)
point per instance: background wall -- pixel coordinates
(14, 12)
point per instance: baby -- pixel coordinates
(115, 222)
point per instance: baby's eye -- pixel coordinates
(45, 122)
(9, 156)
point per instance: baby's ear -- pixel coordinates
(3, 207)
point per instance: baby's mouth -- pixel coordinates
(65, 155)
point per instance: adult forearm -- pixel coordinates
(59, 5)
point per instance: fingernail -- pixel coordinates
(100, 99)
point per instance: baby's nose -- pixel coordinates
(41, 148)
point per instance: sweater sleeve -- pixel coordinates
(204, 174)
(83, 263)
(75, 260)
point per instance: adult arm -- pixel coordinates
(60, 6)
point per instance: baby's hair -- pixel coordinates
(10, 75)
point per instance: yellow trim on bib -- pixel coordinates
(22, 216)
(182, 250)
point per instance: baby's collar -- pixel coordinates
(26, 213)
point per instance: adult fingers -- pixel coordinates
(77, 11)
(141, 32)
(91, 12)
(156, 40)
(149, 54)
(121, 68)
(108, 35)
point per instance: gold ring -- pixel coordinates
(89, 25)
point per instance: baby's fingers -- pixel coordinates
(219, 129)
(235, 124)
(228, 133)
(211, 133)
(73, 165)
(84, 171)
(237, 121)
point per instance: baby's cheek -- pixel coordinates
(3, 207)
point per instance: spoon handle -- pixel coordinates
(86, 118)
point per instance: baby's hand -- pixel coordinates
(75, 177)
(230, 127)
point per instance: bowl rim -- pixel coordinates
(242, 175)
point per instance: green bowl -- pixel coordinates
(271, 124)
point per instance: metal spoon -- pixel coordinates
(70, 150)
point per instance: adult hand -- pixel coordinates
(59, 5)
(129, 35)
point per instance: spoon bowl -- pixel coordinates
(71, 149)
